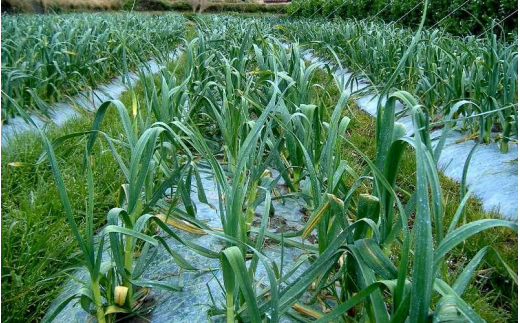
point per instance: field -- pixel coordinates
(47, 58)
(202, 162)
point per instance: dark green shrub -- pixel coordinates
(457, 16)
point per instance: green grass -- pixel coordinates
(493, 295)
(37, 243)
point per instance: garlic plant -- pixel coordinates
(440, 70)
(245, 107)
(46, 58)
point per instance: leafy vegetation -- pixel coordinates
(38, 249)
(440, 70)
(36, 235)
(50, 57)
(459, 17)
(241, 103)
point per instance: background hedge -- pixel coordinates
(473, 16)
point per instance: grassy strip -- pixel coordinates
(38, 249)
(37, 244)
(490, 295)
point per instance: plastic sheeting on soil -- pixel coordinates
(88, 100)
(492, 176)
(191, 304)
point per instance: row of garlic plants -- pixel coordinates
(49, 57)
(244, 107)
(441, 69)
